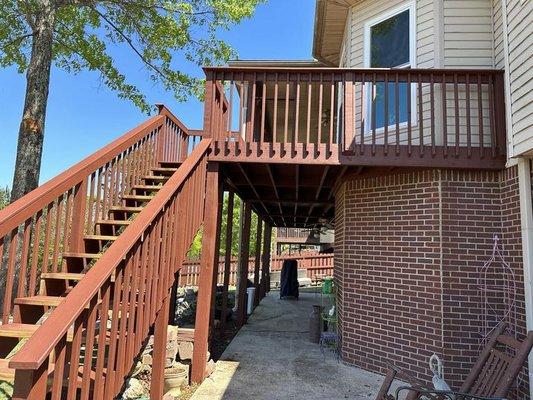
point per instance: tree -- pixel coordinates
(75, 35)
(4, 197)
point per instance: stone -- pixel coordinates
(147, 359)
(172, 333)
(210, 367)
(172, 349)
(185, 350)
(134, 389)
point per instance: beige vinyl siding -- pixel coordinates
(468, 43)
(468, 33)
(520, 58)
(497, 32)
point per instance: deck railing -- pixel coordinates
(400, 117)
(37, 231)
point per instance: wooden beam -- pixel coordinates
(227, 261)
(257, 260)
(160, 351)
(254, 190)
(244, 252)
(273, 182)
(217, 263)
(208, 262)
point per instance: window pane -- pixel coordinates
(389, 42)
(378, 104)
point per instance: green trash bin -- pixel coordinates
(327, 285)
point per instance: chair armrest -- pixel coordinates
(439, 394)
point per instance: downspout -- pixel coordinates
(526, 213)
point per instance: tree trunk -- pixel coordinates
(31, 131)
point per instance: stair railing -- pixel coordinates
(92, 338)
(37, 229)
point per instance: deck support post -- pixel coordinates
(244, 257)
(208, 262)
(217, 262)
(227, 261)
(31, 384)
(257, 265)
(160, 351)
(265, 270)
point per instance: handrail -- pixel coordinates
(42, 343)
(15, 213)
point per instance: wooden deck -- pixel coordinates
(361, 117)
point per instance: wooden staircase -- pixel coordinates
(31, 311)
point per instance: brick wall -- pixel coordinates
(408, 256)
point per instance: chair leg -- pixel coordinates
(385, 386)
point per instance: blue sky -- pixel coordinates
(83, 115)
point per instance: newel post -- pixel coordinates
(162, 134)
(208, 262)
(209, 105)
(31, 384)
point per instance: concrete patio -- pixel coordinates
(272, 358)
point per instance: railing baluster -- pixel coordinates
(23, 258)
(263, 108)
(35, 253)
(456, 105)
(444, 116)
(420, 115)
(468, 120)
(386, 113)
(275, 117)
(492, 117)
(309, 101)
(287, 98)
(432, 114)
(409, 116)
(373, 106)
(362, 117)
(480, 116)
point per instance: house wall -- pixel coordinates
(412, 247)
(517, 18)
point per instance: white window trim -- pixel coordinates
(411, 6)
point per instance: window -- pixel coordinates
(389, 43)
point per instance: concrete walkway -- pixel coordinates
(271, 358)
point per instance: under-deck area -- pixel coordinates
(272, 358)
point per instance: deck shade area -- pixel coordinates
(399, 117)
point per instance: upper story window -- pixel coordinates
(389, 43)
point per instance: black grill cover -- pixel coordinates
(289, 279)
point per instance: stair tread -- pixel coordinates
(17, 330)
(136, 197)
(112, 222)
(40, 300)
(147, 187)
(156, 177)
(161, 169)
(81, 255)
(62, 275)
(100, 237)
(128, 209)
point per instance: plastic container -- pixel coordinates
(250, 303)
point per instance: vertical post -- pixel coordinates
(209, 104)
(244, 256)
(217, 260)
(160, 351)
(227, 261)
(78, 217)
(162, 134)
(265, 270)
(257, 266)
(208, 260)
(31, 384)
(526, 212)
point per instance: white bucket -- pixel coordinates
(250, 304)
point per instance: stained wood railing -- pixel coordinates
(393, 117)
(40, 228)
(114, 306)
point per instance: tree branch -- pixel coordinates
(17, 40)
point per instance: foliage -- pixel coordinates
(5, 195)
(85, 32)
(195, 250)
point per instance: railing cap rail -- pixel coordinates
(22, 209)
(40, 345)
(319, 70)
